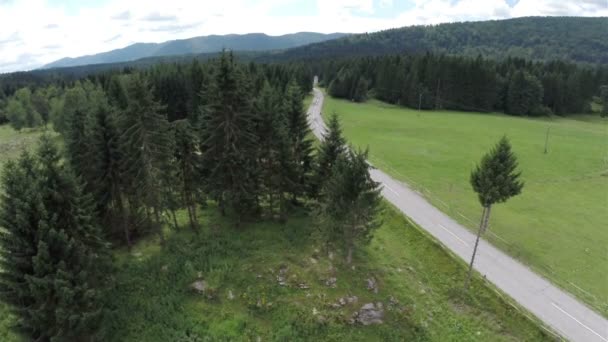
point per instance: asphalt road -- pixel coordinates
(558, 309)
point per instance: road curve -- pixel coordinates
(556, 308)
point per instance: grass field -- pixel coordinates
(153, 303)
(13, 142)
(557, 225)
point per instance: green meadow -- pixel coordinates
(557, 225)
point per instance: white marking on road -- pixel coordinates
(454, 235)
(577, 321)
(391, 189)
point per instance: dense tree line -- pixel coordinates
(429, 81)
(236, 134)
(572, 39)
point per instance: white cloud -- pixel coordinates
(33, 32)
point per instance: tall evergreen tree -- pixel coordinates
(106, 170)
(274, 158)
(350, 204)
(54, 260)
(524, 95)
(495, 180)
(228, 139)
(331, 148)
(146, 148)
(188, 167)
(299, 136)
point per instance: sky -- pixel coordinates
(36, 32)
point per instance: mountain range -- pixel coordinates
(571, 39)
(198, 45)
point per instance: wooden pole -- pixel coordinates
(547, 140)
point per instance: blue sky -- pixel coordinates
(36, 32)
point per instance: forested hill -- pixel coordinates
(198, 45)
(538, 38)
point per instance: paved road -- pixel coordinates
(558, 309)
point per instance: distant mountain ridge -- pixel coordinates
(576, 39)
(198, 45)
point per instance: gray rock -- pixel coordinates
(199, 286)
(230, 295)
(303, 286)
(343, 301)
(372, 285)
(331, 282)
(352, 299)
(369, 313)
(282, 277)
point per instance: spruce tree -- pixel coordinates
(350, 204)
(228, 140)
(495, 180)
(525, 93)
(54, 260)
(146, 146)
(332, 147)
(299, 139)
(106, 170)
(21, 211)
(274, 158)
(188, 167)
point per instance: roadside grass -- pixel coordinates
(557, 225)
(152, 300)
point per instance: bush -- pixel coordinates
(541, 111)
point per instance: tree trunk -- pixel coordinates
(125, 222)
(159, 224)
(175, 225)
(349, 255)
(486, 224)
(282, 207)
(482, 227)
(222, 205)
(194, 219)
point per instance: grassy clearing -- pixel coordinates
(12, 143)
(557, 225)
(153, 302)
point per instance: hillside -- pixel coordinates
(539, 38)
(198, 45)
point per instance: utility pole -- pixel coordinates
(419, 103)
(547, 139)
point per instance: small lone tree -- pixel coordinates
(350, 203)
(495, 180)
